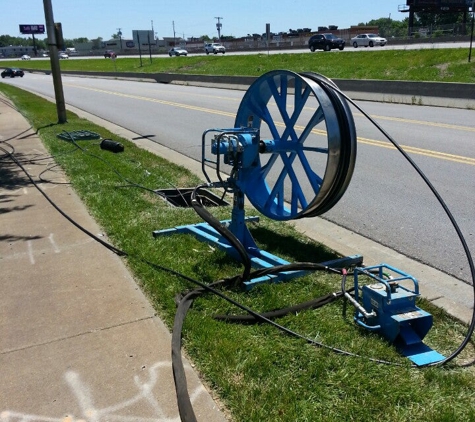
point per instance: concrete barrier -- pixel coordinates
(443, 94)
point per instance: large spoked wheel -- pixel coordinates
(308, 144)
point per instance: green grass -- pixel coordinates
(259, 373)
(443, 65)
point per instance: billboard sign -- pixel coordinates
(32, 29)
(143, 37)
(454, 3)
(446, 5)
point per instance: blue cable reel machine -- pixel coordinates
(291, 152)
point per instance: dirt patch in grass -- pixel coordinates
(196, 65)
(443, 69)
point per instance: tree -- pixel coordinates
(80, 40)
(438, 19)
(7, 40)
(389, 27)
(97, 43)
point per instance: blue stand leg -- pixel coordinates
(259, 258)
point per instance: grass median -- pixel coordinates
(438, 65)
(259, 373)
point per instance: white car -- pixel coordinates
(63, 56)
(25, 57)
(214, 48)
(177, 51)
(368, 40)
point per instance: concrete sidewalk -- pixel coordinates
(78, 339)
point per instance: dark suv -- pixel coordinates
(325, 42)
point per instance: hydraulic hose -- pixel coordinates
(279, 313)
(224, 231)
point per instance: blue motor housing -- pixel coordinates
(390, 309)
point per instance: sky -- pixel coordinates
(192, 18)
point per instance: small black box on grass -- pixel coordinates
(111, 145)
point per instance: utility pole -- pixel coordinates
(471, 32)
(219, 25)
(174, 40)
(54, 59)
(119, 33)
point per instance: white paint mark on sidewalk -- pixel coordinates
(148, 397)
(30, 252)
(53, 243)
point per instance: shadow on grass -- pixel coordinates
(288, 245)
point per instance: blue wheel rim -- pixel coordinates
(308, 144)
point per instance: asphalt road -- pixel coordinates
(386, 200)
(230, 52)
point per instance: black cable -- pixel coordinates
(262, 318)
(311, 304)
(8, 153)
(185, 408)
(48, 169)
(279, 313)
(447, 212)
(132, 184)
(74, 223)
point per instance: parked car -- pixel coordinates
(110, 54)
(63, 55)
(365, 40)
(177, 51)
(25, 57)
(214, 48)
(12, 72)
(325, 42)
